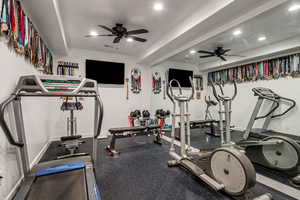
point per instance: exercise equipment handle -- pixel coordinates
(170, 92)
(4, 125)
(168, 89)
(222, 97)
(268, 94)
(293, 104)
(100, 118)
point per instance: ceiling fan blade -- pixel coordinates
(135, 32)
(235, 55)
(106, 28)
(98, 35)
(117, 40)
(208, 56)
(138, 39)
(226, 50)
(222, 58)
(207, 52)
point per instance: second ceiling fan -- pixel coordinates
(119, 32)
(219, 52)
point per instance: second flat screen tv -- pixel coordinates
(182, 76)
(105, 72)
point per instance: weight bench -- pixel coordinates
(205, 123)
(126, 132)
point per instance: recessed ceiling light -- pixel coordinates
(294, 7)
(262, 38)
(129, 39)
(192, 51)
(93, 33)
(237, 32)
(158, 6)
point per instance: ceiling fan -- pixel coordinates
(119, 32)
(219, 52)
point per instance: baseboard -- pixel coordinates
(37, 159)
(13, 191)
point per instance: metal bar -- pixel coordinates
(96, 124)
(221, 122)
(182, 129)
(227, 120)
(21, 135)
(4, 125)
(252, 119)
(72, 123)
(270, 116)
(55, 95)
(188, 128)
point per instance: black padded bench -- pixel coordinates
(126, 132)
(205, 123)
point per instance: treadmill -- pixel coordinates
(265, 94)
(68, 179)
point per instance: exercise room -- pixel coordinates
(150, 100)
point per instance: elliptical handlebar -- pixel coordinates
(171, 94)
(222, 97)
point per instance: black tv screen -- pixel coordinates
(182, 76)
(105, 72)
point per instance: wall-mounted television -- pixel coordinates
(105, 72)
(182, 76)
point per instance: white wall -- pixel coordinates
(157, 102)
(116, 107)
(35, 118)
(245, 101)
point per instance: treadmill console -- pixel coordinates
(56, 85)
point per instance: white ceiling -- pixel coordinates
(276, 24)
(80, 17)
(182, 24)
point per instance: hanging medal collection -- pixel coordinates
(18, 30)
(264, 70)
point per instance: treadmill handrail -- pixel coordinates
(293, 104)
(4, 125)
(100, 119)
(276, 98)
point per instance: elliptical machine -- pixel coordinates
(274, 151)
(72, 141)
(224, 168)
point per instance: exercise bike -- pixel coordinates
(224, 168)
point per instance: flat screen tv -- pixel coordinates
(180, 75)
(105, 72)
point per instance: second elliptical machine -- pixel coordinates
(224, 168)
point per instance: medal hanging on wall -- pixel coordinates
(136, 84)
(156, 83)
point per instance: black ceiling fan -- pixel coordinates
(119, 31)
(219, 52)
